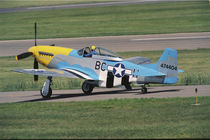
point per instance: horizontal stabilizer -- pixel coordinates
(179, 71)
(151, 72)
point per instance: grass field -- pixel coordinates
(155, 18)
(195, 63)
(32, 3)
(124, 118)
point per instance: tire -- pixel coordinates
(48, 95)
(144, 90)
(87, 88)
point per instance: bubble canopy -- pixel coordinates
(99, 51)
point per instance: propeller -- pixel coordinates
(23, 55)
(36, 65)
(27, 54)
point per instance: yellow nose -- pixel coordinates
(32, 49)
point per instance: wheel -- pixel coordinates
(128, 87)
(87, 88)
(46, 95)
(144, 90)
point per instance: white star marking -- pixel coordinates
(119, 70)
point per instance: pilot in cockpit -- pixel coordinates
(93, 52)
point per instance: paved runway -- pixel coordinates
(116, 43)
(104, 93)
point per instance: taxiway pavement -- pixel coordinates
(176, 41)
(104, 93)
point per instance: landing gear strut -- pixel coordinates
(128, 86)
(46, 90)
(144, 89)
(87, 88)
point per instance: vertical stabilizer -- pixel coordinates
(167, 64)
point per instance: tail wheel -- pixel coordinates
(46, 95)
(87, 88)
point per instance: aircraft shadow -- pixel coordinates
(73, 95)
(159, 91)
(136, 91)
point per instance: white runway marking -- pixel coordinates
(171, 38)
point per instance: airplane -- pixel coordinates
(103, 69)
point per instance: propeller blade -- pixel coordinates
(23, 55)
(36, 78)
(36, 66)
(35, 33)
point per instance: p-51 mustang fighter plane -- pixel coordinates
(100, 69)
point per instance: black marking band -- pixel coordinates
(46, 54)
(110, 80)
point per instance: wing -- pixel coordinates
(139, 60)
(49, 72)
(68, 73)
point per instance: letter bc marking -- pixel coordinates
(98, 66)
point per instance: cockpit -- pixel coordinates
(100, 53)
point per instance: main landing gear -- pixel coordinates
(87, 88)
(144, 89)
(46, 90)
(128, 86)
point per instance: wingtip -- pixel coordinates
(13, 70)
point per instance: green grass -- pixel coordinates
(32, 3)
(195, 63)
(114, 118)
(172, 17)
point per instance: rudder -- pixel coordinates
(167, 64)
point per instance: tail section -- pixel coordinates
(167, 64)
